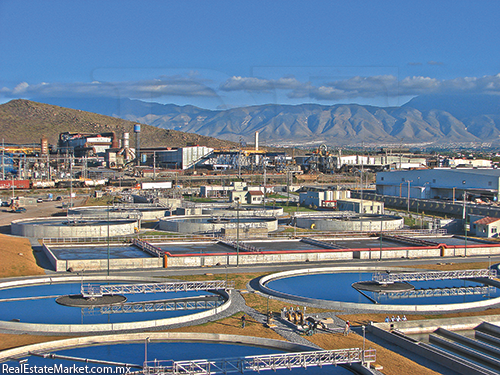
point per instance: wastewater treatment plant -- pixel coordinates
(214, 289)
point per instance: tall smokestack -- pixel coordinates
(137, 131)
(257, 147)
(114, 140)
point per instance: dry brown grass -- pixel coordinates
(260, 303)
(240, 279)
(393, 363)
(16, 257)
(232, 326)
(10, 341)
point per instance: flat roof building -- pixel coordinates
(440, 183)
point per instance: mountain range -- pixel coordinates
(427, 119)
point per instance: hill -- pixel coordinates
(437, 120)
(24, 121)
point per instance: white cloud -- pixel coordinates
(19, 89)
(259, 84)
(155, 88)
(193, 85)
(368, 87)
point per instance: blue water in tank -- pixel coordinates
(338, 287)
(48, 311)
(178, 351)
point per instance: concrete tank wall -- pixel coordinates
(251, 211)
(184, 225)
(146, 213)
(77, 265)
(48, 227)
(339, 225)
(247, 258)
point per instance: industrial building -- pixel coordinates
(82, 144)
(449, 184)
(182, 157)
(327, 161)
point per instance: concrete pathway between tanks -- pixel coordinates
(281, 329)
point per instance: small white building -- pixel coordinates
(325, 199)
(361, 206)
(487, 227)
(254, 197)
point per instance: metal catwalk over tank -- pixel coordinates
(90, 290)
(258, 363)
(433, 275)
(194, 303)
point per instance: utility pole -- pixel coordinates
(238, 231)
(71, 182)
(3, 159)
(239, 161)
(265, 183)
(381, 229)
(288, 186)
(154, 165)
(408, 200)
(465, 221)
(108, 239)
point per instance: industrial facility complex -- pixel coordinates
(143, 240)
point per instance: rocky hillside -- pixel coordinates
(23, 121)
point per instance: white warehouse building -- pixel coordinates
(440, 183)
(183, 157)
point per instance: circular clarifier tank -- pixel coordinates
(61, 308)
(340, 221)
(208, 224)
(225, 210)
(49, 227)
(158, 351)
(145, 211)
(346, 288)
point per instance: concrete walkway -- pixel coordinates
(281, 329)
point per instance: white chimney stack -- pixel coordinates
(126, 143)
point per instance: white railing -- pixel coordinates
(258, 363)
(148, 248)
(442, 292)
(97, 290)
(144, 307)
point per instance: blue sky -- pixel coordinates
(218, 54)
